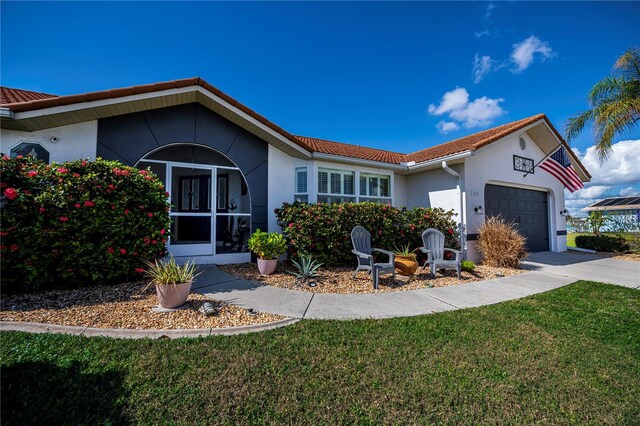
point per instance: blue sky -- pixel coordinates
(368, 73)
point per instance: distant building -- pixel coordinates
(623, 213)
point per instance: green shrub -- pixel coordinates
(78, 223)
(602, 243)
(267, 245)
(324, 230)
(468, 265)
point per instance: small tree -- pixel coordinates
(596, 221)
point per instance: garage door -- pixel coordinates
(524, 207)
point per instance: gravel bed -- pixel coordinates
(126, 306)
(338, 279)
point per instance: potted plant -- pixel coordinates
(267, 246)
(172, 281)
(405, 261)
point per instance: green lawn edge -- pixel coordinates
(571, 355)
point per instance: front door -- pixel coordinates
(192, 230)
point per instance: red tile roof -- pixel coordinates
(18, 100)
(11, 96)
(354, 151)
(472, 142)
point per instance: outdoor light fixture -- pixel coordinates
(564, 212)
(478, 209)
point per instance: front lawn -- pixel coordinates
(567, 356)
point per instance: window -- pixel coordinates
(302, 192)
(34, 149)
(375, 186)
(336, 182)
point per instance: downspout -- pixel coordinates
(461, 192)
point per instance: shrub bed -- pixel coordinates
(78, 223)
(602, 243)
(324, 230)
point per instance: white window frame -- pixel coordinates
(367, 188)
(298, 194)
(342, 174)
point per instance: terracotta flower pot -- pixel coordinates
(173, 295)
(267, 266)
(406, 264)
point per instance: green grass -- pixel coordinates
(567, 356)
(571, 236)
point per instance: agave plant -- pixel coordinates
(307, 268)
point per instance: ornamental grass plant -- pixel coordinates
(500, 243)
(167, 272)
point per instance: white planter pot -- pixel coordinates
(267, 266)
(173, 295)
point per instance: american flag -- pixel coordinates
(559, 165)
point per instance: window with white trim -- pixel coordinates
(302, 186)
(336, 186)
(375, 188)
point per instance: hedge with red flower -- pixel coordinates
(78, 223)
(324, 230)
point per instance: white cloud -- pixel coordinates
(447, 126)
(483, 33)
(525, 52)
(589, 192)
(630, 191)
(609, 179)
(479, 112)
(483, 65)
(489, 11)
(621, 167)
(455, 99)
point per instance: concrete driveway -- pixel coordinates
(547, 272)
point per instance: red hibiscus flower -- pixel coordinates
(42, 210)
(123, 251)
(127, 211)
(63, 218)
(89, 204)
(32, 173)
(84, 163)
(78, 205)
(62, 170)
(11, 193)
(111, 250)
(13, 247)
(150, 214)
(162, 232)
(139, 270)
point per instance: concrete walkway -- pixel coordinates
(547, 272)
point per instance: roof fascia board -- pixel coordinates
(357, 161)
(437, 162)
(102, 102)
(6, 113)
(576, 161)
(168, 92)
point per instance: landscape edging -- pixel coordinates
(123, 333)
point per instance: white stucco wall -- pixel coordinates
(435, 188)
(494, 164)
(77, 141)
(281, 181)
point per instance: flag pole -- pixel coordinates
(553, 151)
